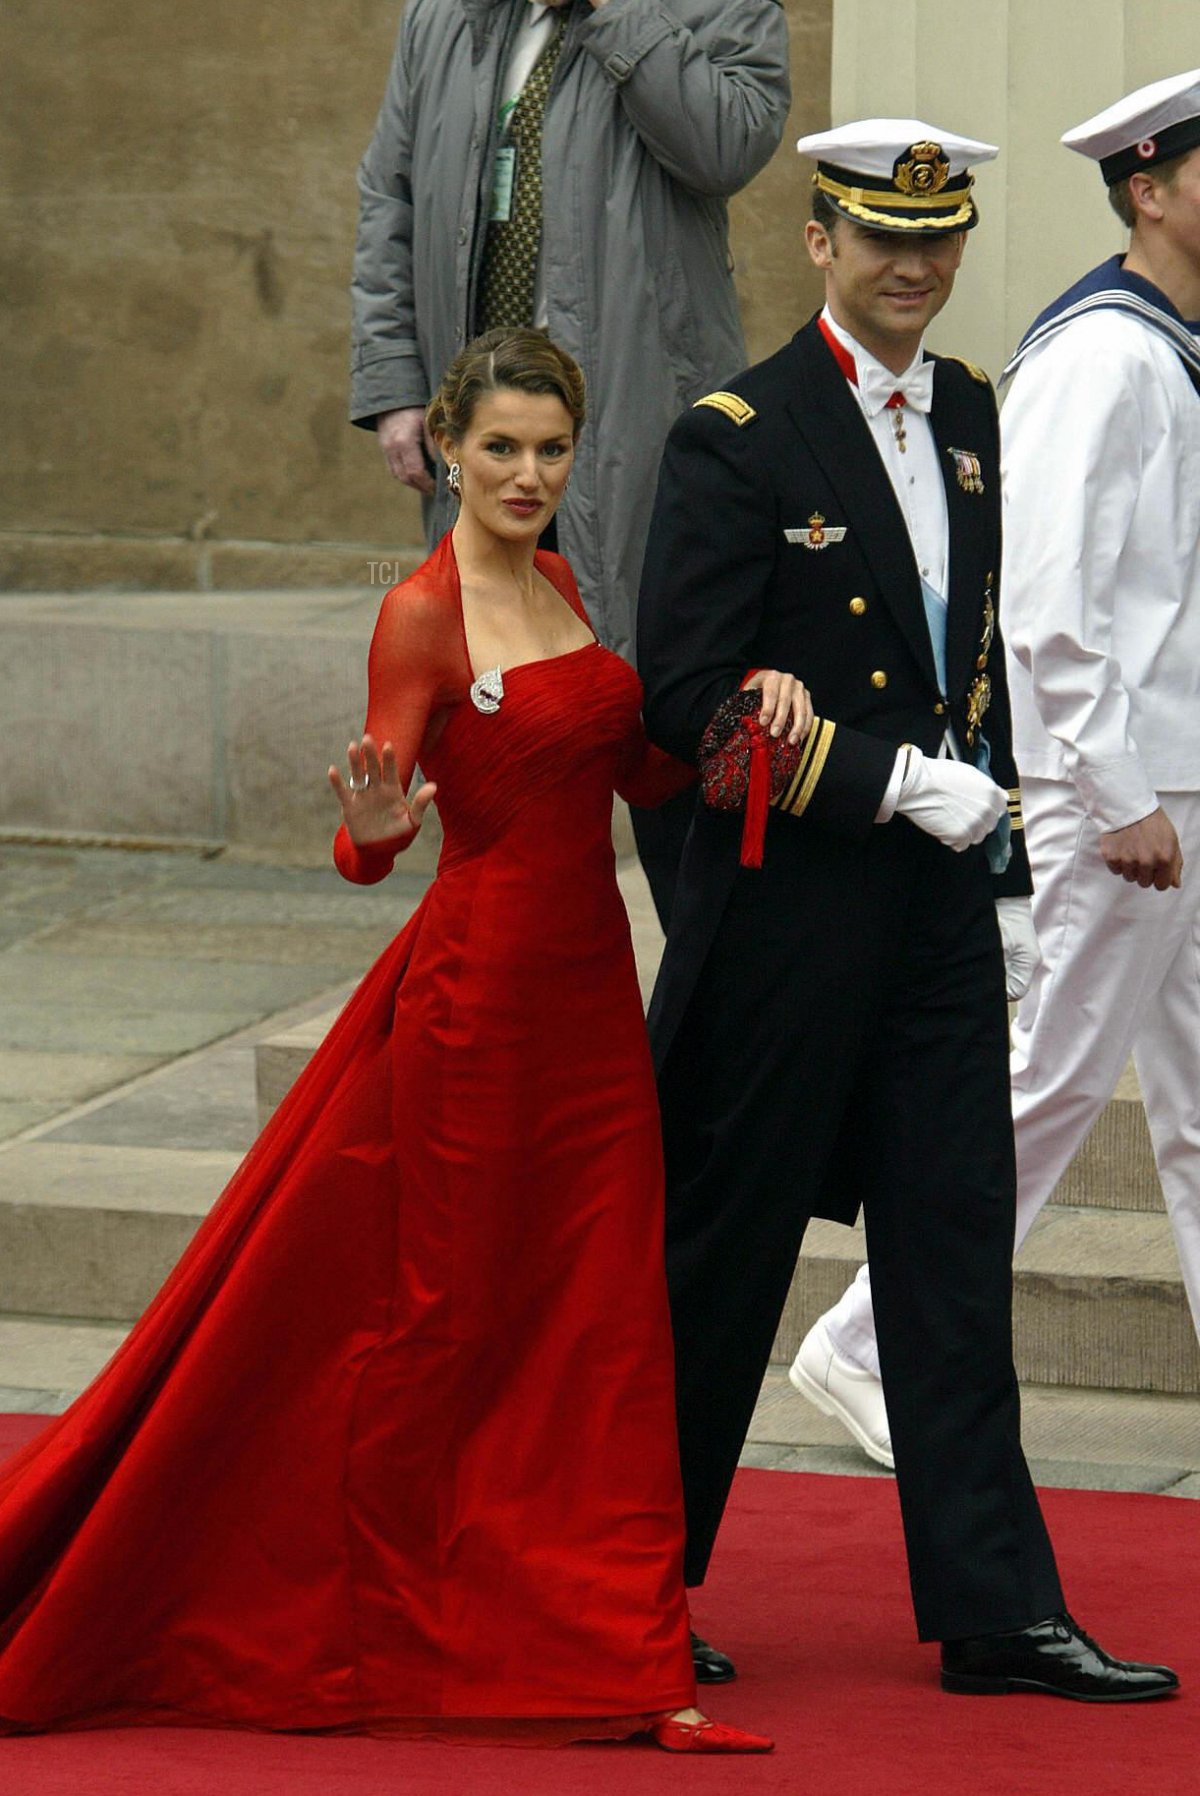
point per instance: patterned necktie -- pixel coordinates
(511, 254)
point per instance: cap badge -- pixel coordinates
(967, 470)
(1147, 148)
(925, 172)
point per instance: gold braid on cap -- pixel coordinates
(861, 202)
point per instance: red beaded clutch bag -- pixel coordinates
(744, 768)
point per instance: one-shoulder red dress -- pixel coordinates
(395, 1444)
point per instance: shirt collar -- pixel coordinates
(873, 377)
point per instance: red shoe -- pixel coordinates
(707, 1736)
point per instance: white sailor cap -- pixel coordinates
(1152, 125)
(898, 174)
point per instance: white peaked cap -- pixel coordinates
(898, 174)
(873, 146)
(1152, 125)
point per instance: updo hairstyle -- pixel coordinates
(518, 360)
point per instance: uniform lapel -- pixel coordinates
(953, 430)
(828, 417)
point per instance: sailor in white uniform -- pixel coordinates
(1101, 455)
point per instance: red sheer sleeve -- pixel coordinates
(416, 668)
(648, 776)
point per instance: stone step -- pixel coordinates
(1098, 1300)
(92, 1231)
(1082, 1440)
(45, 1364)
(1114, 1169)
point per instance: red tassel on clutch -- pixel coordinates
(744, 768)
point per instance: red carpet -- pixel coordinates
(809, 1594)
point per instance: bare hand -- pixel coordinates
(404, 439)
(783, 697)
(374, 806)
(1146, 853)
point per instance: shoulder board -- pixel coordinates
(731, 404)
(972, 368)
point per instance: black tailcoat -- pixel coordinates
(830, 1030)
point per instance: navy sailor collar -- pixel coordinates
(1110, 288)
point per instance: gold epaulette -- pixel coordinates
(1015, 815)
(797, 794)
(972, 368)
(731, 404)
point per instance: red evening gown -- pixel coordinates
(396, 1439)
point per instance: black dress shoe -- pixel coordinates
(711, 1666)
(1055, 1657)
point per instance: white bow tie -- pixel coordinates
(877, 384)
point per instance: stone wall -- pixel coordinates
(179, 190)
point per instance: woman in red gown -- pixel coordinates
(394, 1446)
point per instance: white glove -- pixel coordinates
(950, 800)
(1018, 938)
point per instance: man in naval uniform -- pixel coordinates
(831, 1029)
(1101, 435)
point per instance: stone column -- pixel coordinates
(1017, 73)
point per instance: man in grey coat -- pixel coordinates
(657, 111)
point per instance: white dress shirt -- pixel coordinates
(916, 477)
(915, 474)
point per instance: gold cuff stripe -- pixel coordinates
(732, 404)
(784, 801)
(816, 768)
(812, 765)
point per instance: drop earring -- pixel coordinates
(454, 479)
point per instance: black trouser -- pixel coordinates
(848, 1036)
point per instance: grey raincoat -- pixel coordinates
(659, 110)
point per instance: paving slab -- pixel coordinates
(203, 1102)
(98, 982)
(332, 905)
(347, 945)
(63, 1078)
(125, 1030)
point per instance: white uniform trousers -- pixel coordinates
(1120, 975)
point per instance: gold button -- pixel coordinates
(939, 710)
(857, 607)
(879, 680)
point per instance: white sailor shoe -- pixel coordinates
(839, 1389)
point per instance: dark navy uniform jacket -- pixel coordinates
(777, 541)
